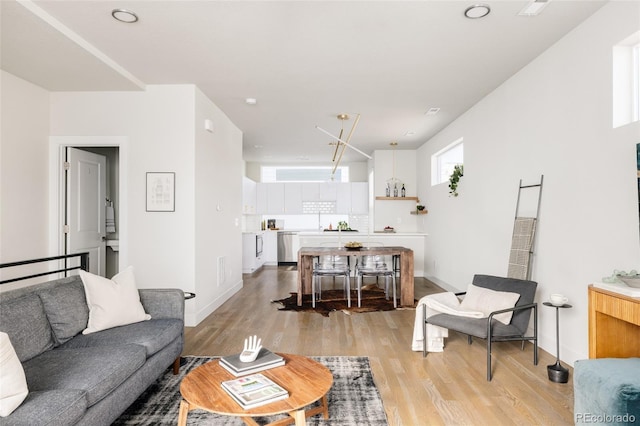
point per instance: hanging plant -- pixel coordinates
(458, 172)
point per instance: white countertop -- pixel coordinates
(621, 288)
(361, 234)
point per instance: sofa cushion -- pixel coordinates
(49, 408)
(112, 302)
(607, 391)
(153, 335)
(13, 384)
(66, 308)
(24, 320)
(95, 370)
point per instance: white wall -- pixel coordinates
(396, 214)
(218, 176)
(23, 169)
(551, 118)
(160, 126)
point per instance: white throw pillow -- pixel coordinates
(13, 388)
(487, 301)
(112, 302)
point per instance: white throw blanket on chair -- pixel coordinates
(439, 303)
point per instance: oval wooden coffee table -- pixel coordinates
(306, 380)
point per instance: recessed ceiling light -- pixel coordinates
(534, 7)
(251, 101)
(124, 15)
(432, 111)
(410, 133)
(477, 11)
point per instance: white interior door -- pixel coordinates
(85, 209)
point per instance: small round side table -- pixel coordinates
(557, 373)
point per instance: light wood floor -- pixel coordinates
(447, 388)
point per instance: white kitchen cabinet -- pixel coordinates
(328, 191)
(352, 198)
(310, 191)
(249, 196)
(270, 248)
(261, 198)
(359, 198)
(343, 198)
(293, 198)
(275, 198)
(252, 251)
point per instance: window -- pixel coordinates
(302, 174)
(443, 161)
(626, 81)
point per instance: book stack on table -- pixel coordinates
(265, 360)
(254, 390)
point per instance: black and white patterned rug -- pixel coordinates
(353, 398)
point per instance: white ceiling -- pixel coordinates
(304, 61)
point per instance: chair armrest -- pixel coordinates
(515, 308)
(163, 303)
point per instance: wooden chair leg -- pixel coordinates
(176, 366)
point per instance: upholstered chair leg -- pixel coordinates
(469, 339)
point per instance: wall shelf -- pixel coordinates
(419, 211)
(398, 198)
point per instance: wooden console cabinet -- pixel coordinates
(614, 324)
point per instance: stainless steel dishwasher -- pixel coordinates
(286, 252)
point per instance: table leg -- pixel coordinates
(299, 417)
(305, 263)
(184, 410)
(406, 278)
(325, 405)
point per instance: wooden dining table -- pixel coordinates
(307, 254)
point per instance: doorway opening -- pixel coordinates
(86, 214)
(106, 197)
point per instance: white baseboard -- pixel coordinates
(193, 319)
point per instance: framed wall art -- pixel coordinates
(161, 191)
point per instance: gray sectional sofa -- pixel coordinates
(77, 379)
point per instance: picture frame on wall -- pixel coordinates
(161, 191)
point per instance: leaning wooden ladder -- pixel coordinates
(524, 230)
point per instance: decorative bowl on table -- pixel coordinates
(388, 229)
(630, 280)
(353, 245)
